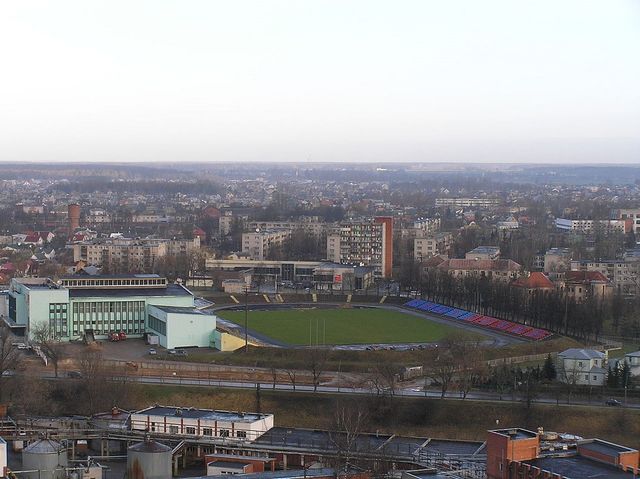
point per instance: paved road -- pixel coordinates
(403, 392)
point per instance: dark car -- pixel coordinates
(613, 402)
(74, 375)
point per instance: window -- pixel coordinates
(579, 364)
(173, 429)
(190, 430)
(586, 377)
(224, 433)
(241, 434)
(207, 431)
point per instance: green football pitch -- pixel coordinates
(340, 326)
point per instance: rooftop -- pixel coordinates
(182, 310)
(604, 447)
(516, 433)
(291, 474)
(193, 413)
(535, 280)
(170, 290)
(577, 467)
(575, 353)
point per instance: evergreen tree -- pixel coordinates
(549, 369)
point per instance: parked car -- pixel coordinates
(181, 352)
(613, 402)
(152, 351)
(74, 375)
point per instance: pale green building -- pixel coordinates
(79, 305)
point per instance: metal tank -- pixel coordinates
(149, 460)
(47, 458)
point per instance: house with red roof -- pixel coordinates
(536, 281)
(581, 285)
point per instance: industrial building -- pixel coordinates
(522, 454)
(77, 306)
(193, 422)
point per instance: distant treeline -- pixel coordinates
(139, 186)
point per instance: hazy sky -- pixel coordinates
(344, 80)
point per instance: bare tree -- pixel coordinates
(471, 365)
(316, 361)
(442, 370)
(350, 419)
(292, 373)
(46, 338)
(9, 354)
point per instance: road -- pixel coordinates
(322, 389)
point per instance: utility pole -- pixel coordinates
(246, 319)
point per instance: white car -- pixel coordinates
(152, 351)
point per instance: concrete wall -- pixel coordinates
(184, 329)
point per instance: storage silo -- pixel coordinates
(149, 460)
(47, 458)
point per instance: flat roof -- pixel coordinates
(193, 413)
(182, 310)
(516, 433)
(292, 474)
(113, 276)
(230, 465)
(170, 290)
(397, 445)
(604, 447)
(577, 467)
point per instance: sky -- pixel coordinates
(544, 81)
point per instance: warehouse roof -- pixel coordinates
(182, 310)
(578, 467)
(193, 413)
(170, 290)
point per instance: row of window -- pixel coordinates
(157, 325)
(206, 431)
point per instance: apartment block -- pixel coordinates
(259, 244)
(468, 202)
(367, 242)
(592, 226)
(130, 254)
(432, 245)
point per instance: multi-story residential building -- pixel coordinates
(632, 214)
(311, 226)
(261, 243)
(432, 245)
(592, 226)
(367, 242)
(426, 225)
(504, 270)
(624, 275)
(127, 254)
(583, 285)
(483, 252)
(556, 260)
(582, 367)
(468, 202)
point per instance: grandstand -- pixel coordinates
(479, 320)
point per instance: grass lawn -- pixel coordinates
(340, 326)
